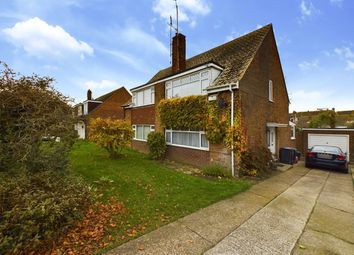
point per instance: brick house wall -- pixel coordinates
(112, 106)
(198, 158)
(257, 110)
(302, 139)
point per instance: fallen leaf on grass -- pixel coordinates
(302, 246)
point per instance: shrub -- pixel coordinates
(216, 170)
(37, 207)
(157, 145)
(30, 110)
(257, 161)
(111, 134)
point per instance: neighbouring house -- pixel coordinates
(248, 67)
(105, 106)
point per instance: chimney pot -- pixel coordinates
(178, 53)
(89, 94)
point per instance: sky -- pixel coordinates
(105, 44)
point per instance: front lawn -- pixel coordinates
(153, 194)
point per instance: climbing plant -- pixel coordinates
(193, 113)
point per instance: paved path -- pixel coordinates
(270, 218)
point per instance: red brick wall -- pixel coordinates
(140, 146)
(143, 115)
(257, 110)
(112, 106)
(198, 158)
(302, 139)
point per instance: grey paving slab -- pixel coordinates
(313, 243)
(336, 222)
(216, 221)
(276, 228)
(172, 237)
(330, 229)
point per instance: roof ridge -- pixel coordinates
(268, 26)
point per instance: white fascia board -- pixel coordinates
(329, 129)
(179, 75)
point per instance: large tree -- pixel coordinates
(324, 119)
(36, 122)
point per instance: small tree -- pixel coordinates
(111, 134)
(157, 145)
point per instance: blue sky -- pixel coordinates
(103, 44)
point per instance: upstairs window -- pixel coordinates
(192, 84)
(270, 91)
(144, 97)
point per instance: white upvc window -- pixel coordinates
(192, 84)
(271, 91)
(293, 130)
(144, 96)
(85, 108)
(187, 139)
(141, 131)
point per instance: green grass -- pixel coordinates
(153, 193)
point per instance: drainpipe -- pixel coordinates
(231, 124)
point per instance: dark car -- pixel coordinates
(328, 157)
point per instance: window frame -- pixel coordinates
(135, 128)
(149, 91)
(200, 133)
(293, 132)
(270, 91)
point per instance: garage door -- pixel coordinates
(342, 141)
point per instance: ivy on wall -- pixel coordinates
(194, 113)
(185, 113)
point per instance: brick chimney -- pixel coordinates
(89, 94)
(178, 53)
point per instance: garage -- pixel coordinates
(339, 140)
(341, 137)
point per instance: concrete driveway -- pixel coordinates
(300, 211)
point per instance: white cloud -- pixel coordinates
(303, 100)
(308, 65)
(128, 59)
(40, 39)
(187, 11)
(338, 3)
(346, 54)
(103, 84)
(307, 9)
(350, 65)
(144, 41)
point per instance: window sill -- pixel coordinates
(292, 138)
(188, 147)
(141, 140)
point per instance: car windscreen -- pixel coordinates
(328, 149)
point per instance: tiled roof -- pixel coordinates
(106, 96)
(234, 56)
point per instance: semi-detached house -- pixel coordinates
(248, 66)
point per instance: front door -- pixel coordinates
(271, 139)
